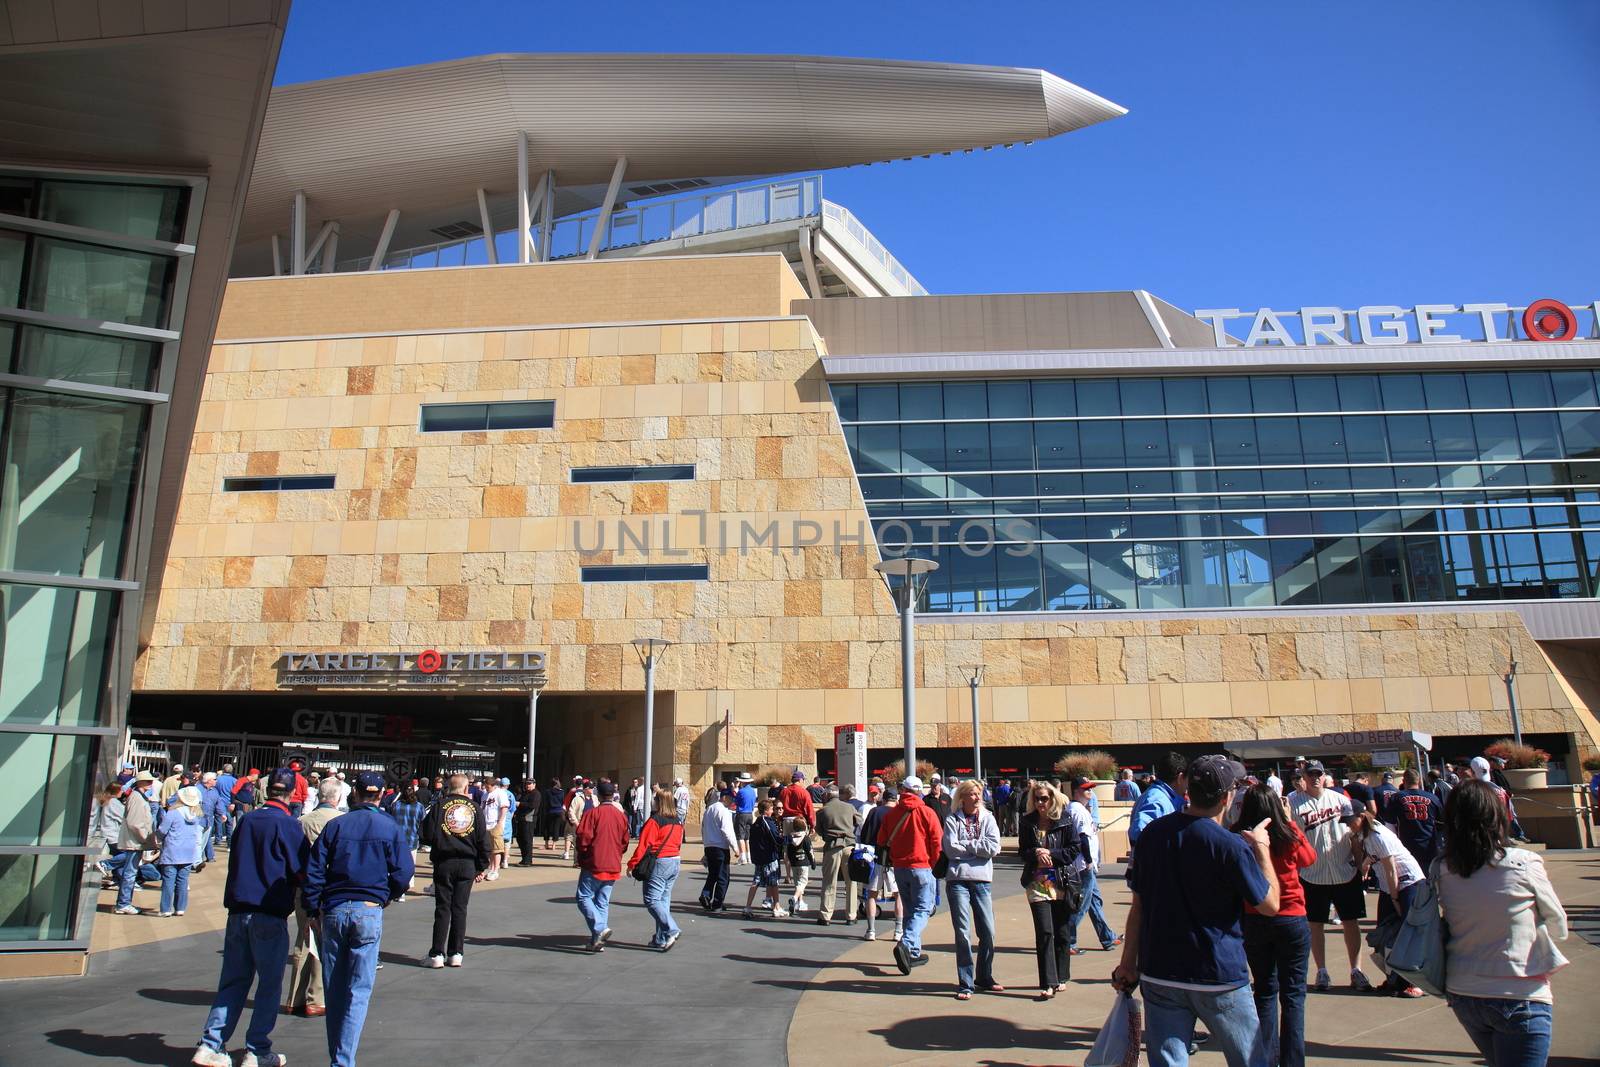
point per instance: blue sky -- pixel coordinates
(1275, 153)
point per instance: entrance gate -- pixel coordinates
(156, 750)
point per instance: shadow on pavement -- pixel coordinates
(1365, 1054)
(137, 1048)
(196, 998)
(958, 1033)
(572, 943)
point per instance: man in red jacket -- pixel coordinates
(796, 800)
(602, 841)
(910, 837)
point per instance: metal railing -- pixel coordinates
(873, 248)
(717, 211)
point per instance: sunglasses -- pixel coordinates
(1041, 799)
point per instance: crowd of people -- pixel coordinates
(1234, 878)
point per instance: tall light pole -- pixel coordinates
(973, 672)
(649, 648)
(912, 573)
(1510, 679)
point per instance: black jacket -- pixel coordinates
(453, 829)
(1057, 837)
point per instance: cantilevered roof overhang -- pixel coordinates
(423, 139)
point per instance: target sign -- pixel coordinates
(429, 661)
(1549, 320)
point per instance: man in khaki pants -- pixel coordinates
(838, 821)
(305, 966)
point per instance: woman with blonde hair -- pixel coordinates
(1053, 849)
(971, 842)
(183, 829)
(660, 837)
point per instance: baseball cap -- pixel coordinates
(1213, 776)
(1079, 782)
(607, 789)
(370, 781)
(505, 781)
(1315, 767)
(935, 777)
(281, 778)
(798, 775)
(911, 782)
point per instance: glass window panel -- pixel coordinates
(1445, 390)
(1558, 548)
(972, 577)
(1547, 473)
(1497, 436)
(1145, 482)
(1111, 571)
(1501, 477)
(1066, 577)
(446, 417)
(1015, 485)
(1065, 528)
(1240, 481)
(1248, 569)
(1402, 392)
(1409, 438)
(1289, 522)
(1017, 579)
(1055, 399)
(1190, 440)
(844, 399)
(1453, 437)
(40, 895)
(966, 446)
(105, 284)
(968, 400)
(1359, 392)
(18, 196)
(1366, 438)
(1228, 395)
(1380, 565)
(1334, 522)
(520, 415)
(1011, 445)
(1278, 440)
(1159, 571)
(1294, 570)
(1580, 431)
(922, 401)
(971, 487)
(1060, 485)
(1425, 567)
(1008, 400)
(1101, 442)
(13, 252)
(1272, 394)
(1539, 434)
(85, 357)
(53, 816)
(1339, 570)
(877, 403)
(1204, 566)
(1322, 438)
(1098, 396)
(1057, 444)
(921, 447)
(1488, 389)
(1145, 441)
(924, 486)
(1235, 440)
(878, 449)
(1573, 388)
(1280, 481)
(1109, 526)
(1328, 478)
(1155, 526)
(1102, 484)
(70, 466)
(880, 489)
(1314, 392)
(154, 211)
(1142, 396)
(1531, 389)
(1416, 477)
(53, 654)
(1184, 396)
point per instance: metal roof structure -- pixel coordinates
(398, 158)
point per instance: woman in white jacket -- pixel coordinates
(1503, 919)
(971, 842)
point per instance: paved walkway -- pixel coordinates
(733, 991)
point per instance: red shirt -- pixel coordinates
(918, 844)
(668, 835)
(796, 801)
(1287, 863)
(602, 839)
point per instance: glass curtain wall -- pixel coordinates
(1239, 491)
(88, 275)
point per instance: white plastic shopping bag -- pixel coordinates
(1121, 1037)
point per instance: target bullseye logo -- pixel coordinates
(1549, 320)
(429, 661)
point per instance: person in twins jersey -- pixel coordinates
(1331, 883)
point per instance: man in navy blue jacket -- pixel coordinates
(358, 866)
(267, 861)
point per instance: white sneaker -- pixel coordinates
(899, 933)
(779, 913)
(206, 1056)
(129, 909)
(271, 1059)
(435, 962)
(401, 899)
(454, 960)
(177, 913)
(670, 941)
(870, 935)
(797, 906)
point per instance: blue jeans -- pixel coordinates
(351, 931)
(917, 889)
(658, 898)
(594, 902)
(1169, 1018)
(1277, 947)
(211, 844)
(255, 946)
(970, 906)
(1509, 1033)
(1095, 907)
(174, 887)
(129, 871)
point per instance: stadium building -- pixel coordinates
(525, 358)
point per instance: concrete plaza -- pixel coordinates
(733, 991)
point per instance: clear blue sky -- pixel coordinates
(1275, 153)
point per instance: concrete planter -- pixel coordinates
(1105, 791)
(1527, 777)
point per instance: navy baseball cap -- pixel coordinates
(1214, 776)
(370, 781)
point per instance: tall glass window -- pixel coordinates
(74, 418)
(1238, 491)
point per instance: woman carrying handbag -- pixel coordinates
(1054, 849)
(655, 862)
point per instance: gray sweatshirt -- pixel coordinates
(971, 844)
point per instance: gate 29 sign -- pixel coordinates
(1428, 324)
(429, 668)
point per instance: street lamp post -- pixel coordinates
(912, 572)
(1511, 698)
(974, 674)
(648, 649)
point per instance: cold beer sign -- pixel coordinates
(1428, 324)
